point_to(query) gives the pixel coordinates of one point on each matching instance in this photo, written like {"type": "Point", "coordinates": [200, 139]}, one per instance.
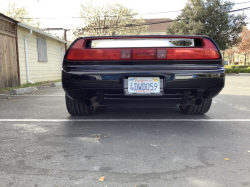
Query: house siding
{"type": "Point", "coordinates": [39, 71]}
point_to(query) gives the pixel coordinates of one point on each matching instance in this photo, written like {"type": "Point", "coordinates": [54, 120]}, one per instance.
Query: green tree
{"type": "Point", "coordinates": [20, 14]}
{"type": "Point", "coordinates": [210, 18]}
{"type": "Point", "coordinates": [109, 20]}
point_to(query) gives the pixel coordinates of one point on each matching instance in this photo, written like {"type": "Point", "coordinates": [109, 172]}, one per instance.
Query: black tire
{"type": "Point", "coordinates": [77, 107]}
{"type": "Point", "coordinates": [197, 109]}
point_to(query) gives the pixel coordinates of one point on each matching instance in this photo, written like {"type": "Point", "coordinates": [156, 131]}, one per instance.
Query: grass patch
{"type": "Point", "coordinates": [29, 85]}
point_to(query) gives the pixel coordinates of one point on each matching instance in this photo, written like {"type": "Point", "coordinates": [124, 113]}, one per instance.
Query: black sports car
{"type": "Point", "coordinates": [142, 71]}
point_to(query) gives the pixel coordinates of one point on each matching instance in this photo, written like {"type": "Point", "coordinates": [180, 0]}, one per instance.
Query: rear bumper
{"type": "Point", "coordinates": [204, 81]}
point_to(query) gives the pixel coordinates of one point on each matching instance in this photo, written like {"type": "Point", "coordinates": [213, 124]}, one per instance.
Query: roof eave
{"type": "Point", "coordinates": [39, 31]}
{"type": "Point", "coordinates": [9, 19]}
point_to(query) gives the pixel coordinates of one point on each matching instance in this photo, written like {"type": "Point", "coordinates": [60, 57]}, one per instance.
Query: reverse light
{"type": "Point", "coordinates": [161, 53]}
{"type": "Point", "coordinates": [126, 54]}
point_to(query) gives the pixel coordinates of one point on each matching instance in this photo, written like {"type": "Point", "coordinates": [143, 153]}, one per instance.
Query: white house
{"type": "Point", "coordinates": [28, 54]}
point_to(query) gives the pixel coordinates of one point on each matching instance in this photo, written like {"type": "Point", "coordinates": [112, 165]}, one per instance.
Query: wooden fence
{"type": "Point", "coordinates": [9, 72]}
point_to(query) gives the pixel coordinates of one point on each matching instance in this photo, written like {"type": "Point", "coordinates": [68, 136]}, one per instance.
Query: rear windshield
{"type": "Point", "coordinates": [163, 42]}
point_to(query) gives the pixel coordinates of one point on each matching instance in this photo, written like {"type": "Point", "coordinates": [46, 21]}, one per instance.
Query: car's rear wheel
{"type": "Point", "coordinates": [197, 109]}
{"type": "Point", "coordinates": [78, 107]}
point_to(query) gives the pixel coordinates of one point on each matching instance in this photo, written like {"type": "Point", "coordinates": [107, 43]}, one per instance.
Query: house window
{"type": "Point", "coordinates": [41, 49]}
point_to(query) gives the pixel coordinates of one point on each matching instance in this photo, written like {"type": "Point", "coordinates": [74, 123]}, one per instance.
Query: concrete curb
{"type": "Point", "coordinates": [238, 74]}
{"type": "Point", "coordinates": [23, 90]}
{"type": "Point", "coordinates": [56, 84]}
{"type": "Point", "coordinates": [246, 74]}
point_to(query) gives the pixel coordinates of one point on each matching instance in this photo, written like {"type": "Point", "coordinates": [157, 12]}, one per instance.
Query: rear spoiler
{"type": "Point", "coordinates": [144, 36]}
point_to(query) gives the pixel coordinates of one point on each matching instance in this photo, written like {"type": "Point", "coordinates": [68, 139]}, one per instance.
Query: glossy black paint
{"type": "Point", "coordinates": [202, 79]}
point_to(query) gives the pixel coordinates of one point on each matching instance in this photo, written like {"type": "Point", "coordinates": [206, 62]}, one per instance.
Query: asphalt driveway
{"type": "Point", "coordinates": [42, 145]}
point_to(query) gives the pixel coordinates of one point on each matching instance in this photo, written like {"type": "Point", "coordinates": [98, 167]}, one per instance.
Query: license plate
{"type": "Point", "coordinates": [147, 85]}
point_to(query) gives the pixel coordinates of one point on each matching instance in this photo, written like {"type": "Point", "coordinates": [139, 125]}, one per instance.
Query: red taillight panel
{"type": "Point", "coordinates": [185, 54]}
{"type": "Point", "coordinates": [101, 54]}
{"type": "Point", "coordinates": [207, 52]}
{"type": "Point", "coordinates": [76, 51]}
{"type": "Point", "coordinates": [210, 50]}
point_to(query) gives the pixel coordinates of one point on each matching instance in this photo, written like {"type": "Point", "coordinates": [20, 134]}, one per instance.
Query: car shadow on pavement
{"type": "Point", "coordinates": [103, 121]}
{"type": "Point", "coordinates": [139, 113]}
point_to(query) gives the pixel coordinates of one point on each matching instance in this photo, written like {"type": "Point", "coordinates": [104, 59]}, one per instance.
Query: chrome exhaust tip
{"type": "Point", "coordinates": [88, 102]}
{"type": "Point", "coordinates": [198, 101]}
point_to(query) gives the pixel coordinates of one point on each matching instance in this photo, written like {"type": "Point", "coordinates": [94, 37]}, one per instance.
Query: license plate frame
{"type": "Point", "coordinates": [158, 92]}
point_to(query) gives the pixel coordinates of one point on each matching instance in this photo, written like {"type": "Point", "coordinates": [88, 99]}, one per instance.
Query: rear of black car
{"type": "Point", "coordinates": [187, 72]}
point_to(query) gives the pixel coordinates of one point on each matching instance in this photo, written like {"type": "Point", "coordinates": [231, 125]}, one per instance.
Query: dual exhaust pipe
{"type": "Point", "coordinates": [198, 101]}
{"type": "Point", "coordinates": [194, 101]}
{"type": "Point", "coordinates": [91, 102]}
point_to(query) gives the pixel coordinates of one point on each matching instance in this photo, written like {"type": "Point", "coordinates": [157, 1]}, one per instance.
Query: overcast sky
{"type": "Point", "coordinates": [70, 8]}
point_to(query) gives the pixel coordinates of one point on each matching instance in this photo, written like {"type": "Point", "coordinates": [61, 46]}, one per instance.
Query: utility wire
{"type": "Point", "coordinates": [138, 14]}
{"type": "Point", "coordinates": [239, 9]}
{"type": "Point", "coordinates": [241, 3]}
{"type": "Point", "coordinates": [174, 11]}
{"type": "Point", "coordinates": [155, 13]}
{"type": "Point", "coordinates": [133, 25]}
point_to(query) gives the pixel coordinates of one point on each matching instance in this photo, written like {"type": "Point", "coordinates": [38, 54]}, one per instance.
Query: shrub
{"type": "Point", "coordinates": [238, 70]}
{"type": "Point", "coordinates": [245, 71]}
{"type": "Point", "coordinates": [229, 71]}
{"type": "Point", "coordinates": [229, 67]}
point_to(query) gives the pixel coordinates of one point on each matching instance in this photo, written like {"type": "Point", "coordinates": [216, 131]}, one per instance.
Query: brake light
{"type": "Point", "coordinates": [207, 52]}
{"type": "Point", "coordinates": [76, 51]}
{"type": "Point", "coordinates": [186, 54]}
{"type": "Point", "coordinates": [210, 50]}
